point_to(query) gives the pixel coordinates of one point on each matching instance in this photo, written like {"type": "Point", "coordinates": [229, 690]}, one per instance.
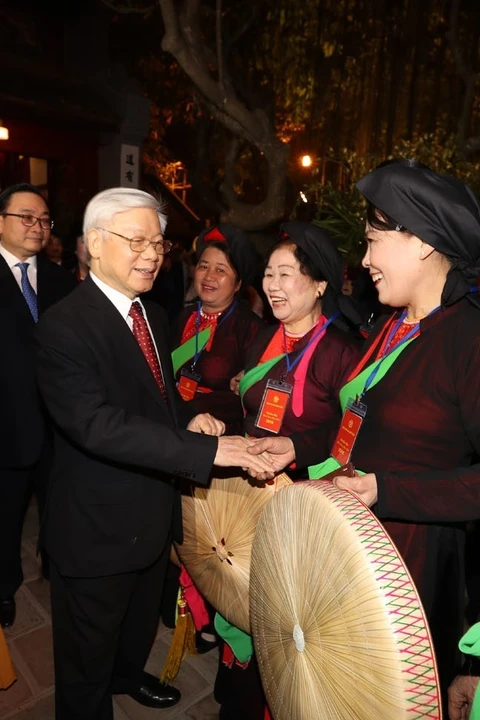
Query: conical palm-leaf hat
{"type": "Point", "coordinates": [219, 523]}
{"type": "Point", "coordinates": [338, 627]}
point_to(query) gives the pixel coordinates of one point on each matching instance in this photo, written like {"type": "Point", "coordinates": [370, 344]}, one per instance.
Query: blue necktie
{"type": "Point", "coordinates": [28, 292]}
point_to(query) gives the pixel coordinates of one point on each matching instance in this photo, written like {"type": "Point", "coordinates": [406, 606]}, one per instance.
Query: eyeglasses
{"type": "Point", "coordinates": [139, 244]}
{"type": "Point", "coordinates": [31, 220]}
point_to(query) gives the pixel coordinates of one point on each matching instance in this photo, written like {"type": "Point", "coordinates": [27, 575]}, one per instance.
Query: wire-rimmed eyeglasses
{"type": "Point", "coordinates": [30, 220]}
{"type": "Point", "coordinates": [139, 244]}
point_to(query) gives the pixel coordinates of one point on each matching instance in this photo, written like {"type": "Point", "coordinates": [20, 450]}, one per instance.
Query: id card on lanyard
{"type": "Point", "coordinates": [352, 420]}
{"type": "Point", "coordinates": [273, 406]}
{"type": "Point", "coordinates": [277, 393]}
{"type": "Point", "coordinates": [356, 410]}
{"type": "Point", "coordinates": [188, 383]}
{"type": "Point", "coordinates": [189, 379]}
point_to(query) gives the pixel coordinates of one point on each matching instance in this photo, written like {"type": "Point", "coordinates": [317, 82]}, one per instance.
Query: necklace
{"type": "Point", "coordinates": [210, 316]}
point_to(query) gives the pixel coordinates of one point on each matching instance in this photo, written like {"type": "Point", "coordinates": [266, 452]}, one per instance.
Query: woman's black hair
{"type": "Point", "coordinates": [379, 220]}
{"type": "Point", "coordinates": [220, 245]}
{"type": "Point", "coordinates": [307, 267]}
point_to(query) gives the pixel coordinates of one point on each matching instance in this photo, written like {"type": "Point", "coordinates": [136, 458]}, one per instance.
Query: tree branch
{"type": "Point", "coordinates": [182, 45]}
{"type": "Point", "coordinates": [468, 76]}
{"type": "Point", "coordinates": [183, 39]}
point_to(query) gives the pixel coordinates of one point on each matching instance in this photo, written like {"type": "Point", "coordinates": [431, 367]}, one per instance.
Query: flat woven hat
{"type": "Point", "coordinates": [338, 627]}
{"type": "Point", "coordinates": [218, 527]}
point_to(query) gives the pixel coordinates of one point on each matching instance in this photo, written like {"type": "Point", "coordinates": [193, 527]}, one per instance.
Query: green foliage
{"type": "Point", "coordinates": [340, 208]}
{"type": "Point", "coordinates": [341, 215]}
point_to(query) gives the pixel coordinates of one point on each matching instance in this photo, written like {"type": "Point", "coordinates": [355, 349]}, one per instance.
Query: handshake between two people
{"type": "Point", "coordinates": [261, 458]}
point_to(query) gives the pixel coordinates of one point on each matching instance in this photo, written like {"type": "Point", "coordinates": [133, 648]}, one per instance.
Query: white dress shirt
{"type": "Point", "coordinates": [123, 304]}
{"type": "Point", "coordinates": [11, 261]}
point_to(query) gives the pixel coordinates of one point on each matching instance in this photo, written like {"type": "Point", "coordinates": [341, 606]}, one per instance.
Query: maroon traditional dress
{"type": "Point", "coordinates": [238, 688]}
{"type": "Point", "coordinates": [232, 333]}
{"type": "Point", "coordinates": [314, 399]}
{"type": "Point", "coordinates": [421, 437]}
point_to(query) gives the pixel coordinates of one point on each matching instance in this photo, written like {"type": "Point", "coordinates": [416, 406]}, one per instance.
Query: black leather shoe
{"type": "Point", "coordinates": [152, 693]}
{"type": "Point", "coordinates": [8, 611]}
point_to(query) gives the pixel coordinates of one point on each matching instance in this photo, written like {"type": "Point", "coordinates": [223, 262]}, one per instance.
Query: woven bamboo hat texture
{"type": "Point", "coordinates": [338, 628]}
{"type": "Point", "coordinates": [218, 527]}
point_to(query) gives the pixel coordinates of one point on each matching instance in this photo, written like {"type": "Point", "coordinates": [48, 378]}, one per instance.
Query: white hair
{"type": "Point", "coordinates": [108, 203]}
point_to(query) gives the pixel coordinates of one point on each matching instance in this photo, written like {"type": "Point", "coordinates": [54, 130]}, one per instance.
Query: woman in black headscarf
{"type": "Point", "coordinates": [210, 342]}
{"type": "Point", "coordinates": [420, 436]}
{"type": "Point", "coordinates": [302, 361]}
{"type": "Point", "coordinates": [302, 282]}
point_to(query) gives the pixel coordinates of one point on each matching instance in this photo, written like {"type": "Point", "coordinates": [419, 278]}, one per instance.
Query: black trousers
{"type": "Point", "coordinates": [103, 630]}
{"type": "Point", "coordinates": [14, 493]}
{"type": "Point", "coordinates": [16, 486]}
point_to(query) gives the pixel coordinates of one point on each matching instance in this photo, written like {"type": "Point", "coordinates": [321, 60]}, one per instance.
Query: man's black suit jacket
{"type": "Point", "coordinates": [21, 421]}
{"type": "Point", "coordinates": [118, 445]}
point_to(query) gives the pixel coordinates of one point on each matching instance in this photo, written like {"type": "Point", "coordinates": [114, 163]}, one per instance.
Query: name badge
{"type": "Point", "coordinates": [352, 420]}
{"type": "Point", "coordinates": [188, 383]}
{"type": "Point", "coordinates": [273, 406]}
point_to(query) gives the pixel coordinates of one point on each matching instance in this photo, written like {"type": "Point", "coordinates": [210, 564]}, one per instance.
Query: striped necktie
{"type": "Point", "coordinates": [28, 292]}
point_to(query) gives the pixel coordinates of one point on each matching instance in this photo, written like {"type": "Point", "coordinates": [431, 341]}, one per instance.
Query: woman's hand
{"type": "Point", "coordinates": [280, 449]}
{"type": "Point", "coordinates": [206, 424]}
{"type": "Point", "coordinates": [363, 486]}
{"type": "Point", "coordinates": [460, 696]}
{"type": "Point", "coordinates": [235, 382]}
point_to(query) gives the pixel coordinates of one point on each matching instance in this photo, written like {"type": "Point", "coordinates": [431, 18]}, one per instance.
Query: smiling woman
{"type": "Point", "coordinates": [419, 384]}
{"type": "Point", "coordinates": [212, 341]}
{"type": "Point", "coordinates": [294, 372]}
{"type": "Point", "coordinates": [304, 351]}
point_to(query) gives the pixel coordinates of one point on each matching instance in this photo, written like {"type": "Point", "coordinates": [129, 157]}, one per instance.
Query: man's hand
{"type": "Point", "coordinates": [233, 452]}
{"type": "Point", "coordinates": [206, 424]}
{"type": "Point", "coordinates": [235, 382]}
{"type": "Point", "coordinates": [460, 696]}
{"type": "Point", "coordinates": [280, 449]}
{"type": "Point", "coordinates": [364, 487]}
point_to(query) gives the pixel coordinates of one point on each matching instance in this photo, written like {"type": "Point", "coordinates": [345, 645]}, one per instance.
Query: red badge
{"type": "Point", "coordinates": [187, 385]}
{"type": "Point", "coordinates": [346, 436]}
{"type": "Point", "coordinates": [274, 404]}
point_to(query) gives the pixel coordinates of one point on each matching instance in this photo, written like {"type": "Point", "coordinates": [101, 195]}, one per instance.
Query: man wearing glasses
{"type": "Point", "coordinates": [106, 377]}
{"type": "Point", "coordinates": [28, 286]}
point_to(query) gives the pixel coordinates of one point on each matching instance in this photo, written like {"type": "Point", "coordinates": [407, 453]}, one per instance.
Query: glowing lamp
{"type": "Point", "coordinates": [306, 161]}
{"type": "Point", "coordinates": [3, 132]}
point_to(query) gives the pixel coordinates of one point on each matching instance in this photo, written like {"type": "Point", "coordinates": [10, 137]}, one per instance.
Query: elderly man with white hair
{"type": "Point", "coordinates": [105, 375]}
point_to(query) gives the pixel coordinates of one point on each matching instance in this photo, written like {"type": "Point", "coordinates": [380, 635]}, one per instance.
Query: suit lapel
{"type": "Point", "coordinates": [45, 286]}
{"type": "Point", "coordinates": [11, 297]}
{"type": "Point", "coordinates": [117, 331]}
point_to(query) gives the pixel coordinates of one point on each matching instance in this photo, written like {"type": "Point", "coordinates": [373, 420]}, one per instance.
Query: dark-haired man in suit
{"type": "Point", "coordinates": [28, 286]}
{"type": "Point", "coordinates": [105, 373]}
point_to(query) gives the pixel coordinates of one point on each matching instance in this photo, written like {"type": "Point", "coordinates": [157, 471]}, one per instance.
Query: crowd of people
{"type": "Point", "coordinates": [110, 405]}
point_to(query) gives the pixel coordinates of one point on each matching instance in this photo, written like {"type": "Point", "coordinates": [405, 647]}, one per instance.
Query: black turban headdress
{"type": "Point", "coordinates": [440, 210]}
{"type": "Point", "coordinates": [240, 248]}
{"type": "Point", "coordinates": [323, 253]}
